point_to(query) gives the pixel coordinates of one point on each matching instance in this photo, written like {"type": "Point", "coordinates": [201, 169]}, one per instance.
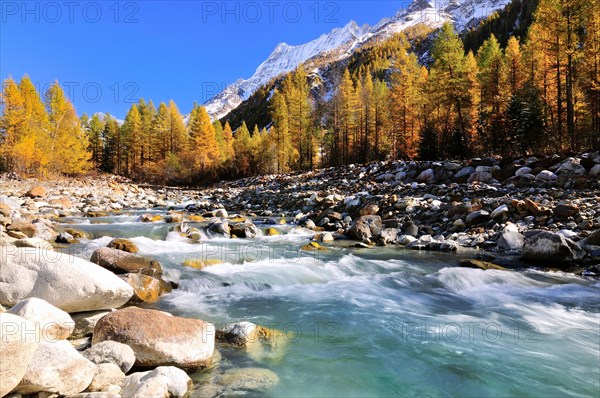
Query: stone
{"type": "Point", "coordinates": [523, 170]}
{"type": "Point", "coordinates": [221, 213]}
{"type": "Point", "coordinates": [511, 239]}
{"type": "Point", "coordinates": [550, 248]}
{"type": "Point", "coordinates": [271, 232]}
{"type": "Point", "coordinates": [240, 333]}
{"type": "Point", "coordinates": [164, 381]}
{"type": "Point", "coordinates": [53, 323]}
{"type": "Point", "coordinates": [18, 347]}
{"type": "Point", "coordinates": [365, 228]}
{"type": "Point", "coordinates": [146, 289]}
{"type": "Point", "coordinates": [124, 245]}
{"type": "Point", "coordinates": [485, 265]}
{"type": "Point", "coordinates": [593, 238]}
{"type": "Point", "coordinates": [57, 367]}
{"type": "Point", "coordinates": [411, 229]}
{"type": "Point", "coordinates": [390, 235]}
{"type": "Point", "coordinates": [65, 237]}
{"type": "Point", "coordinates": [67, 282]}
{"type": "Point", "coordinates": [36, 192]}
{"type": "Point", "coordinates": [477, 217]}
{"type": "Point", "coordinates": [595, 171]}
{"type": "Point", "coordinates": [157, 338]}
{"type": "Point", "coordinates": [121, 262]}
{"type": "Point", "coordinates": [369, 210]}
{"type": "Point", "coordinates": [426, 176]}
{"type": "Point", "coordinates": [546, 176]}
{"type": "Point", "coordinates": [85, 322]}
{"type": "Point", "coordinates": [406, 240]}
{"type": "Point", "coordinates": [220, 227]}
{"type": "Point", "coordinates": [532, 206]}
{"type": "Point", "coordinates": [24, 227]}
{"type": "Point", "coordinates": [34, 242]}
{"type": "Point", "coordinates": [480, 176]}
{"type": "Point", "coordinates": [244, 230]}
{"type": "Point", "coordinates": [566, 211]}
{"type": "Point", "coordinates": [150, 218]}
{"type": "Point", "coordinates": [499, 211]}
{"type": "Point", "coordinates": [107, 376]}
{"type": "Point", "coordinates": [240, 381]}
{"type": "Point", "coordinates": [113, 352]}
{"type": "Point", "coordinates": [463, 174]}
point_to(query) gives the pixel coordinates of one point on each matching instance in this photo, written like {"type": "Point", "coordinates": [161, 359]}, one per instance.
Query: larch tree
{"type": "Point", "coordinates": [203, 140]}
{"type": "Point", "coordinates": [67, 151]}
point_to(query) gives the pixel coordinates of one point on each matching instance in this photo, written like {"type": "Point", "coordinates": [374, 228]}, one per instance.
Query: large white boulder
{"type": "Point", "coordinates": [111, 352]}
{"type": "Point", "coordinates": [67, 282]}
{"type": "Point", "coordinates": [164, 381]}
{"type": "Point", "coordinates": [19, 340]}
{"type": "Point", "coordinates": [57, 367]}
{"type": "Point", "coordinates": [54, 323]}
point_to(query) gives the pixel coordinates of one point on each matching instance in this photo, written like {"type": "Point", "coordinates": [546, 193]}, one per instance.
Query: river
{"type": "Point", "coordinates": [381, 322]}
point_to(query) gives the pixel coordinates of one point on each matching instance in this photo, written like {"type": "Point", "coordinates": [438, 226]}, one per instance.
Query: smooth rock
{"type": "Point", "coordinates": [146, 289]}
{"type": "Point", "coordinates": [67, 282]}
{"type": "Point", "coordinates": [549, 248]}
{"type": "Point", "coordinates": [485, 265]}
{"type": "Point", "coordinates": [57, 367]}
{"type": "Point", "coordinates": [36, 192]}
{"type": "Point", "coordinates": [157, 338]}
{"type": "Point", "coordinates": [123, 244]}
{"type": "Point", "coordinates": [499, 211]}
{"type": "Point", "coordinates": [111, 352]}
{"type": "Point", "coordinates": [19, 343]}
{"type": "Point", "coordinates": [477, 217]}
{"type": "Point", "coordinates": [121, 262]}
{"type": "Point", "coordinates": [426, 176]}
{"type": "Point", "coordinates": [53, 323]}
{"type": "Point", "coordinates": [511, 239]}
{"type": "Point", "coordinates": [365, 228]}
{"type": "Point", "coordinates": [34, 242]}
{"type": "Point", "coordinates": [164, 381]}
{"type": "Point", "coordinates": [107, 377]}
{"type": "Point", "coordinates": [241, 381]}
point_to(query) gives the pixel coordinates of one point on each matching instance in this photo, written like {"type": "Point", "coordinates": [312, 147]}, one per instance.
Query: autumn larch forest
{"type": "Point", "coordinates": [535, 94]}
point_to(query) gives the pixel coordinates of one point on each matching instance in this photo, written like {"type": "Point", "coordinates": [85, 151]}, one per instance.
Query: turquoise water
{"type": "Point", "coordinates": [385, 321]}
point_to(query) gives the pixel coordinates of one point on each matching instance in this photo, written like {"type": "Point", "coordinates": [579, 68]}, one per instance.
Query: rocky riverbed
{"type": "Point", "coordinates": [86, 324]}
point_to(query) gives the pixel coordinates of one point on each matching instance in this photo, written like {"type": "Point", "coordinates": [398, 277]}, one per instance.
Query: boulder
{"type": "Point", "coordinates": [477, 217]}
{"type": "Point", "coordinates": [244, 230]}
{"type": "Point", "coordinates": [157, 338]}
{"type": "Point", "coordinates": [426, 176]}
{"type": "Point", "coordinates": [221, 213]}
{"type": "Point", "coordinates": [595, 171]}
{"type": "Point", "coordinates": [485, 265]}
{"type": "Point", "coordinates": [480, 176]}
{"type": "Point", "coordinates": [220, 227]}
{"type": "Point", "coordinates": [53, 323]}
{"type": "Point", "coordinates": [546, 176]}
{"type": "Point", "coordinates": [146, 289]}
{"type": "Point", "coordinates": [566, 211]}
{"type": "Point", "coordinates": [123, 244]}
{"type": "Point", "coordinates": [34, 242]}
{"type": "Point", "coordinates": [57, 367]}
{"type": "Point", "coordinates": [85, 323]}
{"type": "Point", "coordinates": [241, 381]}
{"type": "Point", "coordinates": [593, 238]}
{"type": "Point", "coordinates": [111, 352]}
{"type": "Point", "coordinates": [411, 229]}
{"type": "Point", "coordinates": [511, 239]}
{"type": "Point", "coordinates": [550, 248]}
{"type": "Point", "coordinates": [67, 282]}
{"type": "Point", "coordinates": [271, 232]}
{"type": "Point", "coordinates": [108, 378]}
{"type": "Point", "coordinates": [365, 228]}
{"type": "Point", "coordinates": [22, 226]}
{"type": "Point", "coordinates": [36, 192]}
{"type": "Point", "coordinates": [390, 235]}
{"type": "Point", "coordinates": [19, 342]}
{"type": "Point", "coordinates": [121, 262]}
{"type": "Point", "coordinates": [239, 334]}
{"type": "Point", "coordinates": [369, 210]}
{"type": "Point", "coordinates": [164, 381]}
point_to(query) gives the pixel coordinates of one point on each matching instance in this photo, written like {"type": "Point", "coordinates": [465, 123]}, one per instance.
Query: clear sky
{"type": "Point", "coordinates": [108, 54]}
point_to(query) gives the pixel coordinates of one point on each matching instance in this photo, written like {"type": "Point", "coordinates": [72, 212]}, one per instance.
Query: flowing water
{"type": "Point", "coordinates": [384, 321]}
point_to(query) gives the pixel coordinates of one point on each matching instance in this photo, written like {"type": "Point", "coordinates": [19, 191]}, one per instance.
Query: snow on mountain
{"type": "Point", "coordinates": [344, 41]}
{"type": "Point", "coordinates": [102, 116]}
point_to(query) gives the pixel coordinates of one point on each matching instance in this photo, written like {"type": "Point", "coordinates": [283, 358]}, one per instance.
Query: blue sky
{"type": "Point", "coordinates": [109, 54]}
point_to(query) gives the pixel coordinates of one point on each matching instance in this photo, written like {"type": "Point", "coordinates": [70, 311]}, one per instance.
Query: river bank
{"type": "Point", "coordinates": [268, 274]}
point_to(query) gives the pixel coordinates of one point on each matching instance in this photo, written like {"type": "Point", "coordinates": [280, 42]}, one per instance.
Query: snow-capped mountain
{"type": "Point", "coordinates": [344, 41]}
{"type": "Point", "coordinates": [102, 117]}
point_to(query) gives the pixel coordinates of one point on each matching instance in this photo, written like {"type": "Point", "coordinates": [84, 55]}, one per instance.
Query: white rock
{"type": "Point", "coordinates": [111, 352]}
{"type": "Point", "coordinates": [546, 175]}
{"type": "Point", "coordinates": [523, 170]}
{"type": "Point", "coordinates": [498, 211]}
{"type": "Point", "coordinates": [107, 376]}
{"type": "Point", "coordinates": [19, 339]}
{"type": "Point", "coordinates": [57, 367]}
{"type": "Point", "coordinates": [34, 242]}
{"type": "Point", "coordinates": [164, 381]}
{"type": "Point", "coordinates": [406, 239]}
{"type": "Point", "coordinates": [511, 239]}
{"type": "Point", "coordinates": [67, 282]}
{"type": "Point", "coordinates": [54, 323]}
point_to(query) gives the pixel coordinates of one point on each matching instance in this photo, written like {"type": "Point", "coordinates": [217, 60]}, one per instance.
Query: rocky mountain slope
{"type": "Point", "coordinates": [342, 42]}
